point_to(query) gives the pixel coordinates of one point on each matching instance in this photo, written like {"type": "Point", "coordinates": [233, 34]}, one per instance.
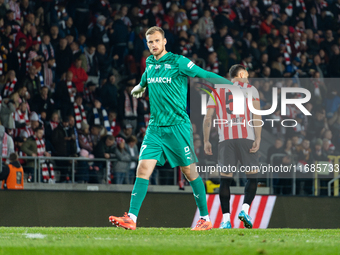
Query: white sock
{"type": "Point", "coordinates": [207, 218]}
{"type": "Point", "coordinates": [133, 217]}
{"type": "Point", "coordinates": [226, 217]}
{"type": "Point", "coordinates": [245, 208]}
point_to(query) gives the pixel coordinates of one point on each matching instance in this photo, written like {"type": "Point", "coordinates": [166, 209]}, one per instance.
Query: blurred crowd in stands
{"type": "Point", "coordinates": [67, 69]}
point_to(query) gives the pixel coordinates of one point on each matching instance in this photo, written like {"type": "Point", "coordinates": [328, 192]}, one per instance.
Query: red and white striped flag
{"type": "Point", "coordinates": [260, 210]}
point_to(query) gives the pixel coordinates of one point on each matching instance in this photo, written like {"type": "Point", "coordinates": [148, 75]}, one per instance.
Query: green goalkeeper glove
{"type": "Point", "coordinates": [137, 91]}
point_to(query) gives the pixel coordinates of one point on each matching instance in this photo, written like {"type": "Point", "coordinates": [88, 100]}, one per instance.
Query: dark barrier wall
{"type": "Point", "coordinates": [92, 209]}
{"type": "Point", "coordinates": [306, 212]}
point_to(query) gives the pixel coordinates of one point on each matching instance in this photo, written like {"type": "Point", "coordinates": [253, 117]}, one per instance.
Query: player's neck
{"type": "Point", "coordinates": [158, 57]}
{"type": "Point", "coordinates": [240, 79]}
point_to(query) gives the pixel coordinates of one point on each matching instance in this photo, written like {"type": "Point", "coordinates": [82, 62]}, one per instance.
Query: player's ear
{"type": "Point", "coordinates": [165, 41]}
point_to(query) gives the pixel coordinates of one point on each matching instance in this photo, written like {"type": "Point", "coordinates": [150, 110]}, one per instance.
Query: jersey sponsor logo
{"type": "Point", "coordinates": [167, 66]}
{"type": "Point", "coordinates": [159, 80]}
{"type": "Point", "coordinates": [190, 64]}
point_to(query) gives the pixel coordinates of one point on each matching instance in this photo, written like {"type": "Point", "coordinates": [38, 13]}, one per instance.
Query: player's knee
{"type": "Point", "coordinates": [189, 174]}
{"type": "Point", "coordinates": [226, 181]}
{"type": "Point", "coordinates": [252, 176]}
{"type": "Point", "coordinates": [143, 171]}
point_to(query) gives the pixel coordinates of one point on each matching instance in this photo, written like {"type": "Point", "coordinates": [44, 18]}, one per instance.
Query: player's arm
{"type": "Point", "coordinates": [187, 67]}
{"type": "Point", "coordinates": [257, 128]}
{"type": "Point", "coordinates": [138, 90]}
{"type": "Point", "coordinates": [206, 130]}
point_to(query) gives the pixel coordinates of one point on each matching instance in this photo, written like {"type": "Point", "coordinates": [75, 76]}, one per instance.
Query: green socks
{"type": "Point", "coordinates": [138, 194]}
{"type": "Point", "coordinates": [141, 187]}
{"type": "Point", "coordinates": [200, 196]}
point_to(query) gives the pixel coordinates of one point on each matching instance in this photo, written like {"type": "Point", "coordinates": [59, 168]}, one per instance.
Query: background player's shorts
{"type": "Point", "coordinates": [174, 143]}
{"type": "Point", "coordinates": [233, 150]}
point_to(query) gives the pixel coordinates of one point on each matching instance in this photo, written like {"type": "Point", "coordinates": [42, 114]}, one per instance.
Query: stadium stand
{"type": "Point", "coordinates": [69, 67]}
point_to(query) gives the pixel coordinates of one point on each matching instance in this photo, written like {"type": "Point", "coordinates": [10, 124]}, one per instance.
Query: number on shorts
{"type": "Point", "coordinates": [142, 149]}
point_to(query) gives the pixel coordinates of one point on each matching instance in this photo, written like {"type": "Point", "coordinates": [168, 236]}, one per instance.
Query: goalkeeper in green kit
{"type": "Point", "coordinates": [169, 134]}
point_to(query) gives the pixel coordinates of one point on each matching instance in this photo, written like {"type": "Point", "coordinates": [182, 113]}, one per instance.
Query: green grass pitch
{"type": "Point", "coordinates": [112, 240]}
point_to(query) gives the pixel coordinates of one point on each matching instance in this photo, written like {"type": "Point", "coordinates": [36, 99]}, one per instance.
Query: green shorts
{"type": "Point", "coordinates": [174, 143]}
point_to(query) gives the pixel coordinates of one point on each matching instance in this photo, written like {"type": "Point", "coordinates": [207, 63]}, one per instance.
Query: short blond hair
{"type": "Point", "coordinates": [153, 30]}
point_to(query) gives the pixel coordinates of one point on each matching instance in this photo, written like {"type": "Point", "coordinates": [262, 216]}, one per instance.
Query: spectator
{"type": "Point", "coordinates": [77, 53]}
{"type": "Point", "coordinates": [85, 140]}
{"type": "Point", "coordinates": [43, 103]}
{"type": "Point", "coordinates": [63, 57]}
{"type": "Point", "coordinates": [63, 141]}
{"type": "Point", "coordinates": [24, 33]}
{"type": "Point", "coordinates": [108, 93]}
{"type": "Point", "coordinates": [82, 42]}
{"type": "Point", "coordinates": [220, 36]}
{"type": "Point", "coordinates": [34, 146]}
{"type": "Point", "coordinates": [31, 81]}
{"type": "Point", "coordinates": [181, 21]}
{"type": "Point", "coordinates": [228, 54]}
{"type": "Point", "coordinates": [82, 174]}
{"type": "Point", "coordinates": [332, 103]}
{"type": "Point", "coordinates": [95, 134]}
{"type": "Point", "coordinates": [121, 167]}
{"type": "Point", "coordinates": [318, 153]}
{"type": "Point", "coordinates": [99, 116]}
{"type": "Point", "coordinates": [91, 92]}
{"type": "Point", "coordinates": [8, 107]}
{"type": "Point", "coordinates": [328, 135]}
{"type": "Point", "coordinates": [65, 94]}
{"type": "Point", "coordinates": [55, 36]}
{"type": "Point", "coordinates": [79, 75]}
{"type": "Point", "coordinates": [305, 153]}
{"type": "Point", "coordinates": [21, 119]}
{"type": "Point", "coordinates": [266, 25]}
{"type": "Point", "coordinates": [317, 66]}
{"type": "Point", "coordinates": [100, 33]}
{"type": "Point", "coordinates": [9, 87]}
{"type": "Point", "coordinates": [51, 125]}
{"type": "Point", "coordinates": [105, 149]}
{"type": "Point", "coordinates": [275, 149]}
{"type": "Point", "coordinates": [3, 9]}
{"type": "Point", "coordinates": [334, 63]}
{"type": "Point", "coordinates": [46, 47]}
{"type": "Point", "coordinates": [207, 48]}
{"type": "Point", "coordinates": [49, 74]}
{"type": "Point", "coordinates": [9, 20]}
{"type": "Point", "coordinates": [70, 29]}
{"type": "Point", "coordinates": [18, 60]}
{"type": "Point", "coordinates": [126, 132]}
{"type": "Point", "coordinates": [92, 64]}
{"type": "Point", "coordinates": [133, 151]}
{"type": "Point", "coordinates": [119, 38]}
{"type": "Point", "coordinates": [127, 104]}
{"type": "Point", "coordinates": [79, 111]}
{"type": "Point", "coordinates": [143, 111]}
{"type": "Point", "coordinates": [6, 143]}
{"type": "Point", "coordinates": [12, 175]}
{"type": "Point", "coordinates": [29, 129]}
{"type": "Point", "coordinates": [313, 20]}
{"type": "Point", "coordinates": [104, 62]}
{"type": "Point", "coordinates": [206, 25]}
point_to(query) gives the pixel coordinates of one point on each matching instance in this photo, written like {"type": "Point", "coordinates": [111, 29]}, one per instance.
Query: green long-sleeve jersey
{"type": "Point", "coordinates": [167, 81]}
